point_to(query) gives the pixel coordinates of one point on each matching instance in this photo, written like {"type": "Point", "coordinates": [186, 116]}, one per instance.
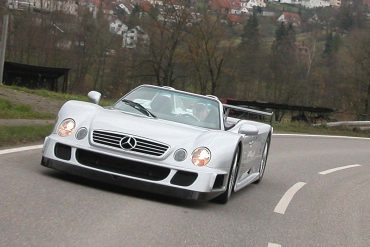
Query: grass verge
{"type": "Point", "coordinates": [59, 96]}
{"type": "Point", "coordinates": [15, 135]}
{"type": "Point", "coordinates": [11, 111]}
{"type": "Point", "coordinates": [303, 128]}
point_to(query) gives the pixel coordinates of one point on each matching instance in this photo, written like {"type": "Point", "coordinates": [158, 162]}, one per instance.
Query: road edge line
{"type": "Point", "coordinates": [20, 149]}
{"type": "Point", "coordinates": [324, 136]}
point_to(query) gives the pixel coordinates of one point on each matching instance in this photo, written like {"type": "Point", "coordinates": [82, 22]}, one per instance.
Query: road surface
{"type": "Point", "coordinates": [315, 192]}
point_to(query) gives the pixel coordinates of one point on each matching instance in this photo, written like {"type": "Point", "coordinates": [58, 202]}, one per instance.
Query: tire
{"type": "Point", "coordinates": [225, 196]}
{"type": "Point", "coordinates": [263, 163]}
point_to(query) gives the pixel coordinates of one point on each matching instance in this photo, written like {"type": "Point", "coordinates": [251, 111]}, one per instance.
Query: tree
{"type": "Point", "coordinates": [205, 52]}
{"type": "Point", "coordinates": [359, 51]}
{"type": "Point", "coordinates": [283, 64]}
{"type": "Point", "coordinates": [166, 32]}
{"type": "Point", "coordinates": [250, 59]}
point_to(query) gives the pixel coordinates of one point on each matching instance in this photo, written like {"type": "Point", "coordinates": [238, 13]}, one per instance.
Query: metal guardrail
{"type": "Point", "coordinates": [359, 125]}
{"type": "Point", "coordinates": [246, 110]}
{"type": "Point", "coordinates": [348, 123]}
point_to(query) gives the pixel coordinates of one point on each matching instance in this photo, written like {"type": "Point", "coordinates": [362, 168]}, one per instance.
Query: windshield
{"type": "Point", "coordinates": [173, 106]}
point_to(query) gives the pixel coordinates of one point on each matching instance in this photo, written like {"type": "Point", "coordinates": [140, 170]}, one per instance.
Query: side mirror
{"type": "Point", "coordinates": [94, 96]}
{"type": "Point", "coordinates": [248, 130]}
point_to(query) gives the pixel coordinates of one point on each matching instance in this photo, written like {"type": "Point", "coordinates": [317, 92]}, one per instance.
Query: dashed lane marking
{"type": "Point", "coordinates": [338, 169]}
{"type": "Point", "coordinates": [273, 245]}
{"type": "Point", "coordinates": [287, 197]}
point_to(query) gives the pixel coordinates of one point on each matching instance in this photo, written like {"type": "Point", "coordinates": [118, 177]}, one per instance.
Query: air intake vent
{"type": "Point", "coordinates": [129, 143]}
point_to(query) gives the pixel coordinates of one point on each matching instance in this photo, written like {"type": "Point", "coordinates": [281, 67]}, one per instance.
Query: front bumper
{"type": "Point", "coordinates": [127, 182]}
{"type": "Point", "coordinates": [102, 165]}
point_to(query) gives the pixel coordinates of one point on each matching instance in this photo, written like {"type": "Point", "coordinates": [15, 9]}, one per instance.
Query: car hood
{"type": "Point", "coordinates": [164, 131]}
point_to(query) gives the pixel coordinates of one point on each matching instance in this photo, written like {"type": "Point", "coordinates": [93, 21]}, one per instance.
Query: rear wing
{"type": "Point", "coordinates": [227, 109]}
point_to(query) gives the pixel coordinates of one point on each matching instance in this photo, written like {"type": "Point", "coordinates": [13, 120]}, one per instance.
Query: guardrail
{"type": "Point", "coordinates": [247, 110]}
{"type": "Point", "coordinates": [361, 125]}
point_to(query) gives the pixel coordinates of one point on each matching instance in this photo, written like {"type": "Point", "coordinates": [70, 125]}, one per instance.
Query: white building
{"type": "Point", "coordinates": [256, 3]}
{"type": "Point", "coordinates": [291, 1]}
{"type": "Point", "coordinates": [133, 37]}
{"type": "Point", "coordinates": [117, 27]}
{"type": "Point", "coordinates": [67, 6]}
{"type": "Point", "coordinates": [315, 3]}
{"type": "Point", "coordinates": [335, 3]}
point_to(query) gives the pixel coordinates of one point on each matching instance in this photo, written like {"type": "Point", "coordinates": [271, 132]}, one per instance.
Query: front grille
{"type": "Point", "coordinates": [121, 166]}
{"type": "Point", "coordinates": [138, 144]}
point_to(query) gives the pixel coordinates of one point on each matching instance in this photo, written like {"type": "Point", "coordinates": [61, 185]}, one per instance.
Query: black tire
{"type": "Point", "coordinates": [234, 169]}
{"type": "Point", "coordinates": [264, 160]}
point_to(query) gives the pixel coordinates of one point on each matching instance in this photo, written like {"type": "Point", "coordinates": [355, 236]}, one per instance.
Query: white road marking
{"type": "Point", "coordinates": [20, 149]}
{"type": "Point", "coordinates": [273, 245]}
{"type": "Point", "coordinates": [326, 136]}
{"type": "Point", "coordinates": [287, 197]}
{"type": "Point", "coordinates": [338, 169]}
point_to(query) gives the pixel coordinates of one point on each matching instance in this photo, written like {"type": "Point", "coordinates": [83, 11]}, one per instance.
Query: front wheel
{"type": "Point", "coordinates": [224, 197]}
{"type": "Point", "coordinates": [262, 167]}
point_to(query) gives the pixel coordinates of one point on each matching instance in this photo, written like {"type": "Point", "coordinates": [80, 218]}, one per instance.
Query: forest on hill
{"type": "Point", "coordinates": [322, 60]}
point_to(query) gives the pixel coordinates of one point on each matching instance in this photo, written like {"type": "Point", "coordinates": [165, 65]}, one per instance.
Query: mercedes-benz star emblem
{"type": "Point", "coordinates": [128, 142]}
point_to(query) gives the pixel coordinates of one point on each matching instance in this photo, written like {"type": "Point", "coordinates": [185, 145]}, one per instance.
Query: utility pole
{"type": "Point", "coordinates": [4, 36]}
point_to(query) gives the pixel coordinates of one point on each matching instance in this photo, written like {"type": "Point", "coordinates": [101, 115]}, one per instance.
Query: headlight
{"type": "Point", "coordinates": [66, 127]}
{"type": "Point", "coordinates": [201, 156]}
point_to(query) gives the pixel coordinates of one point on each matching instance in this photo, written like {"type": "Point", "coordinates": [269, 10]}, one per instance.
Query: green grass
{"type": "Point", "coordinates": [15, 135]}
{"type": "Point", "coordinates": [50, 94]}
{"type": "Point", "coordinates": [59, 96]}
{"type": "Point", "coordinates": [304, 128]}
{"type": "Point", "coordinates": [9, 110]}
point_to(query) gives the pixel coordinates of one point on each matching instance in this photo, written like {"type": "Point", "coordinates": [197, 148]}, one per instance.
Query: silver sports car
{"type": "Point", "coordinates": [161, 140]}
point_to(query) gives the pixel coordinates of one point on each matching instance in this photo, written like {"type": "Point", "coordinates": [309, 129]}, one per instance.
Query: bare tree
{"type": "Point", "coordinates": [206, 53]}
{"type": "Point", "coordinates": [167, 28]}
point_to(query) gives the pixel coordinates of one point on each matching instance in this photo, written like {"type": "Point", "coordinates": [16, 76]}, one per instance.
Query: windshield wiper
{"type": "Point", "coordinates": [138, 107]}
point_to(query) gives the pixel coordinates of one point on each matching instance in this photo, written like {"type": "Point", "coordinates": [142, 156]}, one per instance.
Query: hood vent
{"type": "Point", "coordinates": [129, 143]}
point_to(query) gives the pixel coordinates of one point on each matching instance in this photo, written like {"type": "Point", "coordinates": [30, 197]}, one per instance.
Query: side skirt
{"type": "Point", "coordinates": [248, 180]}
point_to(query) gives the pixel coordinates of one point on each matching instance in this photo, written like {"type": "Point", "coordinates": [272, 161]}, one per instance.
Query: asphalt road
{"type": "Point", "coordinates": [43, 207]}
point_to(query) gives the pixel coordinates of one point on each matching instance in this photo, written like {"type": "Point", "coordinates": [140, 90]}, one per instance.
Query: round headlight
{"type": "Point", "coordinates": [201, 156]}
{"type": "Point", "coordinates": [66, 127]}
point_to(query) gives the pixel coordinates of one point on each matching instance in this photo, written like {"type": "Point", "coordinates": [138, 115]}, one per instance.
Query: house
{"type": "Point", "coordinates": [335, 3]}
{"type": "Point", "coordinates": [310, 4]}
{"type": "Point", "coordinates": [256, 3]}
{"type": "Point", "coordinates": [117, 27]}
{"type": "Point", "coordinates": [291, 1]}
{"type": "Point", "coordinates": [244, 10]}
{"type": "Point", "coordinates": [290, 18]}
{"type": "Point", "coordinates": [125, 8]}
{"type": "Point", "coordinates": [67, 6]}
{"type": "Point", "coordinates": [133, 37]}
{"type": "Point", "coordinates": [222, 6]}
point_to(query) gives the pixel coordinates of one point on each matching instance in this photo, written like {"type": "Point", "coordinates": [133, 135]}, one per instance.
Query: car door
{"type": "Point", "coordinates": [248, 155]}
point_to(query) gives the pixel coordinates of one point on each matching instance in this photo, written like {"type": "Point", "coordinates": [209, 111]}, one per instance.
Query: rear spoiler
{"type": "Point", "coordinates": [247, 110]}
